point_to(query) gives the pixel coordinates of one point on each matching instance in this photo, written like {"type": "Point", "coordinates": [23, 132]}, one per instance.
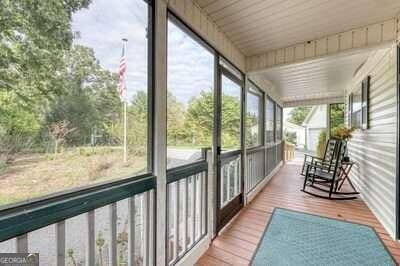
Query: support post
{"type": "Point", "coordinates": [244, 148]}
{"type": "Point", "coordinates": [397, 236]}
{"type": "Point", "coordinates": [160, 125]}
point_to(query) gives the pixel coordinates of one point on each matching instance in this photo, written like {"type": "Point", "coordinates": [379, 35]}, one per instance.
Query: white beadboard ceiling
{"type": "Point", "coordinates": [317, 79]}
{"type": "Point", "coordinates": [257, 26]}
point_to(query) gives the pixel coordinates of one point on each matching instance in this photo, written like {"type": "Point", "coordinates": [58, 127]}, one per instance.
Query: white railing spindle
{"type": "Point", "coordinates": [185, 213]}
{"type": "Point", "coordinates": [131, 233]}
{"type": "Point", "coordinates": [90, 240]}
{"type": "Point", "coordinates": [113, 234]}
{"type": "Point", "coordinates": [22, 244]}
{"type": "Point", "coordinates": [150, 228]}
{"type": "Point", "coordinates": [60, 242]}
{"type": "Point", "coordinates": [194, 210]}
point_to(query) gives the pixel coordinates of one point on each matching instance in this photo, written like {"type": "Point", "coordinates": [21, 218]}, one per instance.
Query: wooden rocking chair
{"type": "Point", "coordinates": [325, 176]}
{"type": "Point", "coordinates": [329, 154]}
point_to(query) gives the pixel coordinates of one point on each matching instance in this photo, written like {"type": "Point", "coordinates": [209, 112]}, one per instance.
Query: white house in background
{"type": "Point", "coordinates": [314, 124]}
{"type": "Point", "coordinates": [299, 131]}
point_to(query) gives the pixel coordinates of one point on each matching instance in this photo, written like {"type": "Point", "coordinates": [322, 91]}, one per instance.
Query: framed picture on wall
{"type": "Point", "coordinates": [365, 102]}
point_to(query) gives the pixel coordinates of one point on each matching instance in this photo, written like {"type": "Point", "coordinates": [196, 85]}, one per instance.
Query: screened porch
{"type": "Point", "coordinates": [169, 132]}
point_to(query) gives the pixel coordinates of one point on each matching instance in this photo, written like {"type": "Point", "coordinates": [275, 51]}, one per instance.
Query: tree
{"type": "Point", "coordinates": [251, 124]}
{"type": "Point", "coordinates": [200, 120]}
{"type": "Point", "coordinates": [89, 98]}
{"type": "Point", "coordinates": [336, 116]}
{"type": "Point", "coordinates": [176, 131]}
{"type": "Point", "coordinates": [34, 36]}
{"type": "Point", "coordinates": [58, 132]}
{"type": "Point", "coordinates": [298, 114]}
{"type": "Point", "coordinates": [230, 121]}
{"type": "Point", "coordinates": [18, 127]}
{"type": "Point", "coordinates": [16, 117]}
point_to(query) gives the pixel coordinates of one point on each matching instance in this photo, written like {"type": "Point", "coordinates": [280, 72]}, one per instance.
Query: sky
{"type": "Point", "coordinates": [286, 113]}
{"type": "Point", "coordinates": [190, 65]}
{"type": "Point", "coordinates": [102, 27]}
{"type": "Point", "coordinates": [253, 104]}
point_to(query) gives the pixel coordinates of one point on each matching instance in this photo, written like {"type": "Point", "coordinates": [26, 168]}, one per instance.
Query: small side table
{"type": "Point", "coordinates": [345, 171]}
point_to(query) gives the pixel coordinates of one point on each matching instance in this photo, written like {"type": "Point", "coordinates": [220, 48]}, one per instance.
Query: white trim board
{"type": "Point", "coordinates": [195, 253]}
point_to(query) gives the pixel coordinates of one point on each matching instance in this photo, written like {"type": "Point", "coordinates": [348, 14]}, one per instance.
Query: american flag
{"type": "Point", "coordinates": [121, 72]}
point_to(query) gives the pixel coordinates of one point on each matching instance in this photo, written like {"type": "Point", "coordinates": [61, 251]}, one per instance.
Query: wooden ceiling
{"type": "Point", "coordinates": [257, 26]}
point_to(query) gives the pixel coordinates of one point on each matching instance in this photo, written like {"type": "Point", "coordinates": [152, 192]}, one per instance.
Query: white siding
{"type": "Point", "coordinates": [374, 150]}
{"type": "Point", "coordinates": [318, 118]}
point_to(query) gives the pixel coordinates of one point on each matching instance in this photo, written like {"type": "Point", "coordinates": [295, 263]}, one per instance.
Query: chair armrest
{"type": "Point", "coordinates": [319, 165]}
{"type": "Point", "coordinates": [313, 157]}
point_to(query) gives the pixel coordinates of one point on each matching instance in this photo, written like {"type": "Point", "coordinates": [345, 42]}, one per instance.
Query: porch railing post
{"type": "Point", "coordinates": [160, 126]}
{"type": "Point", "coordinates": [211, 197]}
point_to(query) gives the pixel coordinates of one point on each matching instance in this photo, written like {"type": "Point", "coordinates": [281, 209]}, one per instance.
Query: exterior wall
{"type": "Point", "coordinates": [368, 36]}
{"type": "Point", "coordinates": [374, 150]}
{"type": "Point", "coordinates": [318, 117]}
{"type": "Point", "coordinates": [191, 13]}
{"type": "Point", "coordinates": [315, 123]}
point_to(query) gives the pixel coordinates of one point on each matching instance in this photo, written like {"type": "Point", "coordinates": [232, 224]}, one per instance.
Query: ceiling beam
{"type": "Point", "coordinates": [313, 101]}
{"type": "Point", "coordinates": [351, 41]}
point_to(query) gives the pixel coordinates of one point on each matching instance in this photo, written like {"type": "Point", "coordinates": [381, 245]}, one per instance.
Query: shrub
{"type": "Point", "coordinates": [321, 143]}
{"type": "Point", "coordinates": [11, 145]}
{"type": "Point", "coordinates": [343, 132]}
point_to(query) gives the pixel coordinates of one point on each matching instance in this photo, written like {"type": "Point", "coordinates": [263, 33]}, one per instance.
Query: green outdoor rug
{"type": "Point", "coordinates": [295, 238]}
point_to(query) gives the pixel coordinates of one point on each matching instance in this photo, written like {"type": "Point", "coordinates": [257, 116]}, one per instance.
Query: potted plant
{"type": "Point", "coordinates": [343, 133]}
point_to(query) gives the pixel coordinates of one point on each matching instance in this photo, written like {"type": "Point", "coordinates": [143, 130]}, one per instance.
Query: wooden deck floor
{"type": "Point", "coordinates": [237, 243]}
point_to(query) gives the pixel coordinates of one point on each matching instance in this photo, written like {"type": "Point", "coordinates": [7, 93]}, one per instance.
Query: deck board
{"type": "Point", "coordinates": [237, 243]}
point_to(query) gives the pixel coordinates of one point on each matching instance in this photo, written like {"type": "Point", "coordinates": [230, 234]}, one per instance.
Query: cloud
{"type": "Point", "coordinates": [105, 23]}
{"type": "Point", "coordinates": [190, 65]}
{"type": "Point", "coordinates": [102, 27]}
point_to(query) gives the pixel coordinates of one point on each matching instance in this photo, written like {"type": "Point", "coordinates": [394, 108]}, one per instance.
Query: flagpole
{"type": "Point", "coordinates": [125, 107]}
{"type": "Point", "coordinates": [125, 133]}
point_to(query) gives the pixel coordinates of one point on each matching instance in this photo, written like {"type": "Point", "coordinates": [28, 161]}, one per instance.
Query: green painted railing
{"type": "Point", "coordinates": [23, 223]}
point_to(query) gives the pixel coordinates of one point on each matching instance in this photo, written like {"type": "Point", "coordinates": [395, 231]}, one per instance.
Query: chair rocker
{"type": "Point", "coordinates": [329, 154]}
{"type": "Point", "coordinates": [325, 176]}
